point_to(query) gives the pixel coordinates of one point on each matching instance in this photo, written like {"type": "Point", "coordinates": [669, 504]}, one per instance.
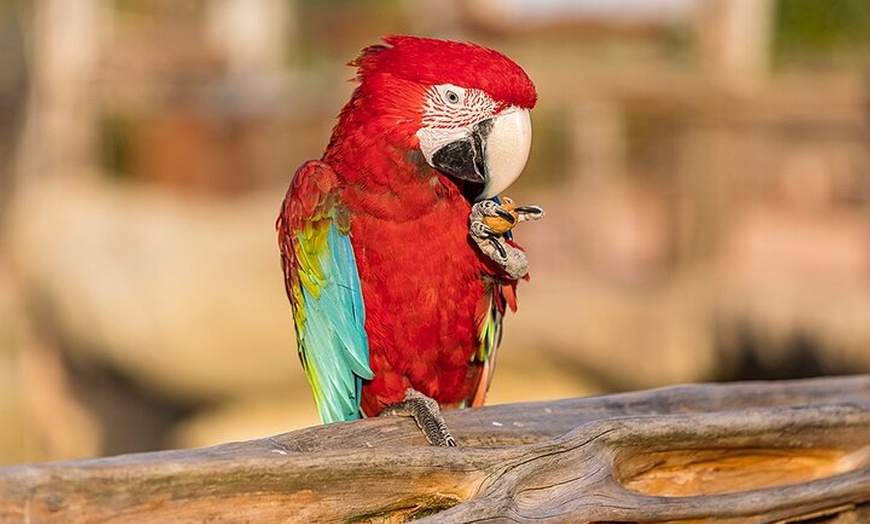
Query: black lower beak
{"type": "Point", "coordinates": [465, 159]}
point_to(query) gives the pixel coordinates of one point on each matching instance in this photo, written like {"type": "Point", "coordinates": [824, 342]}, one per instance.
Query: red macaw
{"type": "Point", "coordinates": [397, 278]}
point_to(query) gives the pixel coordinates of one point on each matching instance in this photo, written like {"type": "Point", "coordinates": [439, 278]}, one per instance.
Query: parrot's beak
{"type": "Point", "coordinates": [492, 155]}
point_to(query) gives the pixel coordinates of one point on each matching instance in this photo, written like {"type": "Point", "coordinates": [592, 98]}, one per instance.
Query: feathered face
{"type": "Point", "coordinates": [468, 106]}
{"type": "Point", "coordinates": [468, 135]}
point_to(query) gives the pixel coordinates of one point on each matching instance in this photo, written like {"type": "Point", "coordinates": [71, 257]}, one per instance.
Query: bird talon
{"type": "Point", "coordinates": [481, 231]}
{"type": "Point", "coordinates": [530, 212]}
{"type": "Point", "coordinates": [485, 208]}
{"type": "Point", "coordinates": [506, 215]}
{"type": "Point", "coordinates": [501, 218]}
{"type": "Point", "coordinates": [501, 250]}
{"type": "Point", "coordinates": [427, 414]}
{"type": "Point", "coordinates": [488, 224]}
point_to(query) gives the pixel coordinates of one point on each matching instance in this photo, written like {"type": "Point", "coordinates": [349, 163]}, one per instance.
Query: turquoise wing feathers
{"type": "Point", "coordinates": [323, 284]}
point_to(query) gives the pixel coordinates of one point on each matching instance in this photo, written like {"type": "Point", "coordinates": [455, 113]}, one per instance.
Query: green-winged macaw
{"type": "Point", "coordinates": [396, 271]}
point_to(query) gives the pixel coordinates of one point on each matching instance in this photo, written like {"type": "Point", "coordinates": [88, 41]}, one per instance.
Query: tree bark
{"type": "Point", "coordinates": [749, 452]}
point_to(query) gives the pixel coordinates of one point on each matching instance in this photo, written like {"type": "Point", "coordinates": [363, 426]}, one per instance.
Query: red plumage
{"type": "Point", "coordinates": [429, 62]}
{"type": "Point", "coordinates": [424, 282]}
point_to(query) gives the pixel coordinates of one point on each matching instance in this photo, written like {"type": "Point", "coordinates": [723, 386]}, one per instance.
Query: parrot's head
{"type": "Point", "coordinates": [464, 107]}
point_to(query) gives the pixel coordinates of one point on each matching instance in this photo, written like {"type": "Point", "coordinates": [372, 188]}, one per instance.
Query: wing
{"type": "Point", "coordinates": [323, 285]}
{"type": "Point", "coordinates": [488, 319]}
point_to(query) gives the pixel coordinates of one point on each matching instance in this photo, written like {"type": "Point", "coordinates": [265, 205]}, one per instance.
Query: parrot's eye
{"type": "Point", "coordinates": [451, 95]}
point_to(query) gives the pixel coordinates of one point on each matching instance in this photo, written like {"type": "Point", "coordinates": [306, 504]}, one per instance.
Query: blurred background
{"type": "Point", "coordinates": [705, 165]}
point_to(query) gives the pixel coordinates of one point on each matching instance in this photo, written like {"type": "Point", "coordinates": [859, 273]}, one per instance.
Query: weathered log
{"type": "Point", "coordinates": [751, 452]}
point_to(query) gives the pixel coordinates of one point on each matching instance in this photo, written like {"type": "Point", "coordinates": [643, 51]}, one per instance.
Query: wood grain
{"type": "Point", "coordinates": [750, 452]}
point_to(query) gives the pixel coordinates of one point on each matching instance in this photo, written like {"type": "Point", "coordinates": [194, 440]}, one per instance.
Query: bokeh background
{"type": "Point", "coordinates": [705, 165]}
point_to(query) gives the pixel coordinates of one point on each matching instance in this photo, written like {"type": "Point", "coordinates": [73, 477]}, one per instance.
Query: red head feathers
{"type": "Point", "coordinates": [429, 61]}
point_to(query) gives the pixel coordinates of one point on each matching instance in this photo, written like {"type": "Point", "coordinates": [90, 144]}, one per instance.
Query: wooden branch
{"type": "Point", "coordinates": [752, 452]}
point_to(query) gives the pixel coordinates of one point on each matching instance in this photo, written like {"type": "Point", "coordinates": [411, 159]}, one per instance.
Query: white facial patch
{"type": "Point", "coordinates": [432, 139]}
{"type": "Point", "coordinates": [449, 114]}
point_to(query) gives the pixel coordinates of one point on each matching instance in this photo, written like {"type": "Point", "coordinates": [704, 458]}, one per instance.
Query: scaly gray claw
{"type": "Point", "coordinates": [501, 250]}
{"type": "Point", "coordinates": [505, 215]}
{"type": "Point", "coordinates": [427, 414]}
{"type": "Point", "coordinates": [492, 243]}
{"type": "Point", "coordinates": [486, 208]}
{"type": "Point", "coordinates": [530, 212]}
{"type": "Point", "coordinates": [481, 231]}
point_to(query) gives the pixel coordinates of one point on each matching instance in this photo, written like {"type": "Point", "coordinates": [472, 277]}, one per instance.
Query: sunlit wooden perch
{"type": "Point", "coordinates": [795, 451]}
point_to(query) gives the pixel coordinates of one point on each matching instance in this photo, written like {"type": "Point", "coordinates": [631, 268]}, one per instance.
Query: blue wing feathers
{"type": "Point", "coordinates": [332, 337]}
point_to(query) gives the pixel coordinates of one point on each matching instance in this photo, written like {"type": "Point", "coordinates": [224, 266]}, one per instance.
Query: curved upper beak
{"type": "Point", "coordinates": [492, 154]}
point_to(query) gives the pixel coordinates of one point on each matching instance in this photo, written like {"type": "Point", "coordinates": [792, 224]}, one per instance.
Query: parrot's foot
{"type": "Point", "coordinates": [488, 224]}
{"type": "Point", "coordinates": [427, 414]}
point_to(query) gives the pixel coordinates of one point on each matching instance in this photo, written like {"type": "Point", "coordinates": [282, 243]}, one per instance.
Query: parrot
{"type": "Point", "coordinates": [397, 253]}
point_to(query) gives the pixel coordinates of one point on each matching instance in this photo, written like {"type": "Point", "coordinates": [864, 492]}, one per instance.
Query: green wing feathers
{"type": "Point", "coordinates": [488, 318]}
{"type": "Point", "coordinates": [323, 285]}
